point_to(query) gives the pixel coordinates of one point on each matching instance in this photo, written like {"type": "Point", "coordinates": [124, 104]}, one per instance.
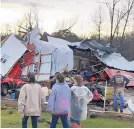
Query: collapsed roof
{"type": "Point", "coordinates": [61, 55]}
{"type": "Point", "coordinates": [106, 54]}
{"type": "Point", "coordinates": [11, 51]}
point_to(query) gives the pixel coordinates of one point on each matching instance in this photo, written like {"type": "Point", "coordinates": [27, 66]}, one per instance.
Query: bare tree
{"type": "Point", "coordinates": [112, 15]}
{"type": "Point", "coordinates": [119, 18]}
{"type": "Point", "coordinates": [130, 5]}
{"type": "Point", "coordinates": [116, 16]}
{"type": "Point", "coordinates": [98, 21]}
{"type": "Point", "coordinates": [118, 24]}
{"type": "Point", "coordinates": [6, 28]}
{"type": "Point", "coordinates": [30, 19]}
{"type": "Point", "coordinates": [64, 30]}
{"type": "Point", "coordinates": [35, 13]}
{"type": "Point", "coordinates": [19, 25]}
{"type": "Point", "coordinates": [66, 25]}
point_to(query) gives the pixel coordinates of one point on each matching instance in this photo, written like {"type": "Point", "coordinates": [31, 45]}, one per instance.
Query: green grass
{"type": "Point", "coordinates": [14, 121]}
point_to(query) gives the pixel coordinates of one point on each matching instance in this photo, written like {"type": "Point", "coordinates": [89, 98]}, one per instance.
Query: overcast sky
{"type": "Point", "coordinates": [55, 11]}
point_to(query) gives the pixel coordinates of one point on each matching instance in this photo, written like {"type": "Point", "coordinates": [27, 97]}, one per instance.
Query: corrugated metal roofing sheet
{"type": "Point", "coordinates": [107, 55]}
{"type": "Point", "coordinates": [129, 75]}
{"type": "Point", "coordinates": [115, 60]}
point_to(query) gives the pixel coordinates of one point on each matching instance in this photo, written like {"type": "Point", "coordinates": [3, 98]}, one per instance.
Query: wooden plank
{"type": "Point", "coordinates": [45, 62]}
{"type": "Point", "coordinates": [111, 112]}
{"type": "Point", "coordinates": [86, 59]}
{"type": "Point", "coordinates": [43, 73]}
{"type": "Point", "coordinates": [96, 111]}
{"type": "Point", "coordinates": [117, 113]}
{"type": "Point", "coordinates": [27, 69]}
{"type": "Point", "coordinates": [45, 54]}
{"type": "Point", "coordinates": [111, 115]}
{"type": "Point", "coordinates": [39, 62]}
{"type": "Point", "coordinates": [62, 70]}
{"type": "Point", "coordinates": [44, 81]}
{"type": "Point", "coordinates": [79, 62]}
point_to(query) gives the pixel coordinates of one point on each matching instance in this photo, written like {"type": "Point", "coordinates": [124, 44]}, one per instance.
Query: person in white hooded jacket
{"type": "Point", "coordinates": [80, 97]}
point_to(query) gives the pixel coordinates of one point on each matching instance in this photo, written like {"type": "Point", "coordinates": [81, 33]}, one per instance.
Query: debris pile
{"type": "Point", "coordinates": [45, 58]}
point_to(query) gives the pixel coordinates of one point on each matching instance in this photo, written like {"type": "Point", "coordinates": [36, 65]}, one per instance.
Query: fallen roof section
{"type": "Point", "coordinates": [102, 51]}
{"type": "Point", "coordinates": [129, 75]}
{"type": "Point", "coordinates": [11, 51]}
{"type": "Point", "coordinates": [117, 61]}
{"type": "Point", "coordinates": [106, 54]}
{"type": "Point", "coordinates": [61, 54]}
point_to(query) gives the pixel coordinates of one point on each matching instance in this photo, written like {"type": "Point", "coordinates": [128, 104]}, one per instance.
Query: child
{"type": "Point", "coordinates": [59, 102]}
{"type": "Point", "coordinates": [80, 97]}
{"type": "Point", "coordinates": [30, 101]}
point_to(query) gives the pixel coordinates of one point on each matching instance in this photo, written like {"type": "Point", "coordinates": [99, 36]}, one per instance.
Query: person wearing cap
{"type": "Point", "coordinates": [119, 82]}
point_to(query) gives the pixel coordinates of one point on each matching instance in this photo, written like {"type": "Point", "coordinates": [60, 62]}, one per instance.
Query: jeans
{"type": "Point", "coordinates": [119, 95]}
{"type": "Point", "coordinates": [33, 120]}
{"type": "Point", "coordinates": [74, 121]}
{"type": "Point", "coordinates": [63, 118]}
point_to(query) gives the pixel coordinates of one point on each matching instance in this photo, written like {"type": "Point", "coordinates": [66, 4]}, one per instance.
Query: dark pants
{"type": "Point", "coordinates": [63, 118]}
{"type": "Point", "coordinates": [33, 120]}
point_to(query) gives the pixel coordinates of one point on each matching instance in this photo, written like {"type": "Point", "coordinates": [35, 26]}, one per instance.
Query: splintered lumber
{"type": "Point", "coordinates": [64, 68]}
{"type": "Point", "coordinates": [45, 54]}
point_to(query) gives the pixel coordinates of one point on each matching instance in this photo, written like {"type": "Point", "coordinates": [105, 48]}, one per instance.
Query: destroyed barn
{"type": "Point", "coordinates": [45, 58]}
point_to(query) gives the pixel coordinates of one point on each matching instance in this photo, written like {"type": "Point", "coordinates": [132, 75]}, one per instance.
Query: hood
{"type": "Point", "coordinates": [79, 92]}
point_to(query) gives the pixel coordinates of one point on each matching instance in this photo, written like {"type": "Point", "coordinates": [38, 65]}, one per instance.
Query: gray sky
{"type": "Point", "coordinates": [55, 11]}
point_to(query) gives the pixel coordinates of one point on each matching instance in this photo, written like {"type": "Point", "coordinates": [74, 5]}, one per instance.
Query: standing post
{"type": "Point", "coordinates": [105, 97]}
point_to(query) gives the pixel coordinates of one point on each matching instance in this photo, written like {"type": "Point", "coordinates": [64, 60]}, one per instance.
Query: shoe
{"type": "Point", "coordinates": [74, 125]}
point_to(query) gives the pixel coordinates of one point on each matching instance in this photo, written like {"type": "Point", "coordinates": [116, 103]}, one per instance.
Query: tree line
{"type": "Point", "coordinates": [120, 13]}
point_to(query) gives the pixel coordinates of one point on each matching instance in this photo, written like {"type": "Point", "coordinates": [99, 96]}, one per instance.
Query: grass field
{"type": "Point", "coordinates": [14, 121]}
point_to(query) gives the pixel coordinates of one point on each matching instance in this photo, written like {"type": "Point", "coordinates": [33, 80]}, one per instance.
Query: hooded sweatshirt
{"type": "Point", "coordinates": [59, 99]}
{"type": "Point", "coordinates": [80, 97]}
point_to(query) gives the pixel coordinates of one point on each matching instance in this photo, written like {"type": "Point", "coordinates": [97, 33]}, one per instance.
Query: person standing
{"type": "Point", "coordinates": [119, 82]}
{"type": "Point", "coordinates": [59, 102]}
{"type": "Point", "coordinates": [53, 80]}
{"type": "Point", "coordinates": [80, 97]}
{"type": "Point", "coordinates": [30, 101]}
